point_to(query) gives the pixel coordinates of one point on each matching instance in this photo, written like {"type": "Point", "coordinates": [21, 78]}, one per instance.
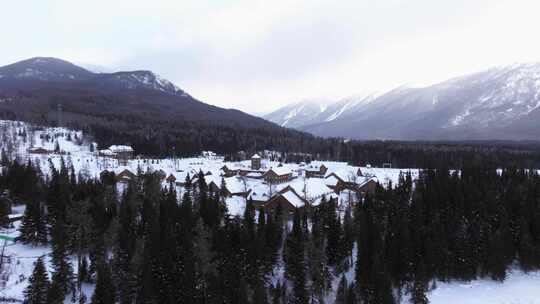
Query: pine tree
{"type": "Point", "coordinates": [259, 293]}
{"type": "Point", "coordinates": [55, 294]}
{"type": "Point", "coordinates": [104, 293]}
{"type": "Point", "coordinates": [351, 295]}
{"type": "Point", "coordinates": [341, 293]}
{"type": "Point", "coordinates": [526, 249]}
{"type": "Point", "coordinates": [62, 277]}
{"type": "Point", "coordinates": [185, 287]}
{"type": "Point", "coordinates": [38, 284]}
{"type": "Point", "coordinates": [278, 294]}
{"type": "Point", "coordinates": [334, 234]}
{"type": "Point", "coordinates": [321, 278]}
{"type": "Point", "coordinates": [125, 245]}
{"type": "Point", "coordinates": [348, 233]}
{"type": "Point", "coordinates": [206, 268]}
{"type": "Point", "coordinates": [33, 228]}
{"type": "Point", "coordinates": [4, 212]}
{"type": "Point", "coordinates": [295, 262]}
{"type": "Point", "coordinates": [419, 288]}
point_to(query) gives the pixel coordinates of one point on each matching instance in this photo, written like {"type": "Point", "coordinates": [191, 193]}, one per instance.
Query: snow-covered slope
{"type": "Point", "coordinates": [499, 103]}
{"type": "Point", "coordinates": [48, 69]}
{"type": "Point", "coordinates": [300, 113]}
{"type": "Point", "coordinates": [44, 69]}
{"type": "Point", "coordinates": [314, 111]}
{"type": "Point", "coordinates": [140, 80]}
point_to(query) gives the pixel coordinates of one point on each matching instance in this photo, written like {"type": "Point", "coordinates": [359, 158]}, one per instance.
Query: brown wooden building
{"type": "Point", "coordinates": [277, 175]}
{"type": "Point", "coordinates": [316, 170]}
{"type": "Point", "coordinates": [288, 199]}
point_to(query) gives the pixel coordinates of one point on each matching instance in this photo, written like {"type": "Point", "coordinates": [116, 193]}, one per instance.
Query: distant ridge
{"type": "Point", "coordinates": [501, 103]}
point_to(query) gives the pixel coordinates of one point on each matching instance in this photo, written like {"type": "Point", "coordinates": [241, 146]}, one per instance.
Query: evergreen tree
{"type": "Point", "coordinates": [104, 293]}
{"type": "Point", "coordinates": [295, 261]}
{"type": "Point", "coordinates": [33, 229]}
{"type": "Point", "coordinates": [259, 294]}
{"type": "Point", "coordinates": [205, 266]}
{"type": "Point", "coordinates": [38, 284]}
{"type": "Point", "coordinates": [62, 278]}
{"type": "Point", "coordinates": [319, 271]}
{"type": "Point", "coordinates": [4, 212]}
{"type": "Point", "coordinates": [125, 245]}
{"type": "Point", "coordinates": [419, 288]}
{"type": "Point", "coordinates": [341, 293]}
{"type": "Point", "coordinates": [334, 234]}
{"type": "Point", "coordinates": [348, 233]}
{"type": "Point", "coordinates": [185, 287]}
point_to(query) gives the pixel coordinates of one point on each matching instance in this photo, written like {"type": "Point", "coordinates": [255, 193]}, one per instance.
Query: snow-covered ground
{"type": "Point", "coordinates": [19, 265]}
{"type": "Point", "coordinates": [518, 288]}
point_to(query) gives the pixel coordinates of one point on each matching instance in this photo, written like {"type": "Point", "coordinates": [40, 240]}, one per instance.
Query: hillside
{"type": "Point", "coordinates": [135, 107]}
{"type": "Point", "coordinates": [501, 103]}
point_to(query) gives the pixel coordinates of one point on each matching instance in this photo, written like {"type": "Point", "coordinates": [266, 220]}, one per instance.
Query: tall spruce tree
{"type": "Point", "coordinates": [341, 293]}
{"type": "Point", "coordinates": [62, 277]}
{"type": "Point", "coordinates": [38, 284]}
{"type": "Point", "coordinates": [104, 293]}
{"type": "Point", "coordinates": [295, 266]}
{"type": "Point", "coordinates": [33, 229]}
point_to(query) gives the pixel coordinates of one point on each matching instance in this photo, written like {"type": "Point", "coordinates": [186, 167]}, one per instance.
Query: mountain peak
{"type": "Point", "coordinates": [50, 69]}
{"type": "Point", "coordinates": [143, 79]}
{"type": "Point", "coordinates": [44, 69]}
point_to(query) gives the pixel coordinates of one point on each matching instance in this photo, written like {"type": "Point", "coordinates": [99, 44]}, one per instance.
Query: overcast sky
{"type": "Point", "coordinates": [258, 55]}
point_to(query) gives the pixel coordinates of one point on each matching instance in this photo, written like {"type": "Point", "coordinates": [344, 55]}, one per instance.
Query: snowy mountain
{"type": "Point", "coordinates": [499, 103]}
{"type": "Point", "coordinates": [47, 69]}
{"type": "Point", "coordinates": [139, 80]}
{"type": "Point", "coordinates": [44, 69]}
{"type": "Point", "coordinates": [314, 111]}
{"type": "Point", "coordinates": [299, 114]}
{"type": "Point", "coordinates": [35, 86]}
{"type": "Point", "coordinates": [138, 107]}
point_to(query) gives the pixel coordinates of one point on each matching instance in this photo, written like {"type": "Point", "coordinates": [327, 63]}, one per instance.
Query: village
{"type": "Point", "coordinates": [265, 182]}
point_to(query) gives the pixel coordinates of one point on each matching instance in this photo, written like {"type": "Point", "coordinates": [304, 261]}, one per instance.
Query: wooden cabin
{"type": "Point", "coordinates": [277, 175]}
{"type": "Point", "coordinates": [316, 170]}
{"type": "Point", "coordinates": [125, 176]}
{"type": "Point", "coordinates": [288, 199]}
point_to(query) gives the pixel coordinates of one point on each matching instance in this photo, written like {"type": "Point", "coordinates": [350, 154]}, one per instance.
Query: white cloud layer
{"type": "Point", "coordinates": [258, 55]}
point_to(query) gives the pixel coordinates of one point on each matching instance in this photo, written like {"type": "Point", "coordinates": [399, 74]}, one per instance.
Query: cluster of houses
{"type": "Point", "coordinates": [266, 183]}
{"type": "Point", "coordinates": [263, 180]}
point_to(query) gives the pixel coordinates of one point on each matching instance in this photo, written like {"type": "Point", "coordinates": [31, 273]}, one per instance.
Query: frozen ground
{"type": "Point", "coordinates": [518, 288]}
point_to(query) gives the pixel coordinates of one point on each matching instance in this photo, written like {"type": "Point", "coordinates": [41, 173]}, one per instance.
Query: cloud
{"type": "Point", "coordinates": [257, 55]}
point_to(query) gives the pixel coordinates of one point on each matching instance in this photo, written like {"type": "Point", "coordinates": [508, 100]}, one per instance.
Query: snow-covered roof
{"type": "Point", "coordinates": [362, 180]}
{"type": "Point", "coordinates": [254, 174]}
{"type": "Point", "coordinates": [293, 198]}
{"type": "Point", "coordinates": [314, 166]}
{"type": "Point", "coordinates": [281, 170]}
{"type": "Point", "coordinates": [120, 148]}
{"type": "Point", "coordinates": [256, 156]}
{"type": "Point", "coordinates": [311, 188]}
{"type": "Point", "coordinates": [106, 152]}
{"type": "Point", "coordinates": [331, 181]}
{"type": "Point", "coordinates": [234, 184]}
{"type": "Point", "coordinates": [347, 174]}
{"type": "Point", "coordinates": [235, 205]}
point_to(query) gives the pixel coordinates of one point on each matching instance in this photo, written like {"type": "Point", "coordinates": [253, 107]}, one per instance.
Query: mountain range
{"type": "Point", "coordinates": [501, 103]}
{"type": "Point", "coordinates": [136, 107]}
